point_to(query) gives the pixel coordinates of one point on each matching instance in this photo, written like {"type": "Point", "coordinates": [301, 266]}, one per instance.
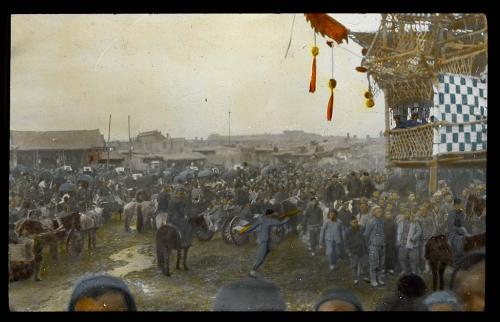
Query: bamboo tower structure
{"type": "Point", "coordinates": [434, 65]}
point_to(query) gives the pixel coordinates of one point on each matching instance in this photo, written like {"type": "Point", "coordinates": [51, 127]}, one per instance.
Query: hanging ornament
{"type": "Point", "coordinates": [361, 69]}
{"type": "Point", "coordinates": [332, 83]}
{"type": "Point", "coordinates": [369, 94]}
{"type": "Point", "coordinates": [314, 52]}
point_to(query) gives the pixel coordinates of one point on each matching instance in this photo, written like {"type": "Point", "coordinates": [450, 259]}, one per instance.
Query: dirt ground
{"type": "Point", "coordinates": [130, 256]}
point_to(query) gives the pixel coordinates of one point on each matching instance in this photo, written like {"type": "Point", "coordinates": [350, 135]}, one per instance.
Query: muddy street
{"type": "Point", "coordinates": [131, 256]}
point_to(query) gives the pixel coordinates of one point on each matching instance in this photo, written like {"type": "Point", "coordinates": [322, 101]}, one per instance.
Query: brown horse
{"type": "Point", "coordinates": [439, 254]}
{"type": "Point", "coordinates": [168, 237]}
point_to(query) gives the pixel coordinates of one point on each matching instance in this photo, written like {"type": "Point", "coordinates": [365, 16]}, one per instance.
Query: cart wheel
{"type": "Point", "coordinates": [74, 243]}
{"type": "Point", "coordinates": [238, 239]}
{"type": "Point", "coordinates": [204, 234]}
{"type": "Point", "coordinates": [226, 231]}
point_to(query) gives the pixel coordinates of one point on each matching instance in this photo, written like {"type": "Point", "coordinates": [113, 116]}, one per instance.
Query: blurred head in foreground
{"type": "Point", "coordinates": [101, 293]}
{"type": "Point", "coordinates": [250, 294]}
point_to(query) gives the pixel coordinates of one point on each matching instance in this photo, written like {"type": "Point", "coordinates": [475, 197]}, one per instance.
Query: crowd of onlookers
{"type": "Point", "coordinates": [377, 222]}
{"type": "Point", "coordinates": [466, 293]}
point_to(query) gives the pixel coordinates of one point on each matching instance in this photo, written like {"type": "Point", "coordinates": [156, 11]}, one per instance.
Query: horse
{"type": "Point", "coordinates": [41, 236]}
{"type": "Point", "coordinates": [474, 207]}
{"type": "Point", "coordinates": [90, 221]}
{"type": "Point", "coordinates": [143, 211]}
{"type": "Point", "coordinates": [167, 238]}
{"type": "Point", "coordinates": [439, 254]}
{"type": "Point", "coordinates": [111, 206]}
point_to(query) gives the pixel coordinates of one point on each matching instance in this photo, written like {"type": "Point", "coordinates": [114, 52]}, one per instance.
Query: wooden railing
{"type": "Point", "coordinates": [411, 144]}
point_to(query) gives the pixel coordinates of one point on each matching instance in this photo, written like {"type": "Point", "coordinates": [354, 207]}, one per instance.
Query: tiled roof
{"type": "Point", "coordinates": [57, 140]}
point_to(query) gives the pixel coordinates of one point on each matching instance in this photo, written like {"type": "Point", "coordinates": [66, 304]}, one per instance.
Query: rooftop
{"type": "Point", "coordinates": [57, 140]}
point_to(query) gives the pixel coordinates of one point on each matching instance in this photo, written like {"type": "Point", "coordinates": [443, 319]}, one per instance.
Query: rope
{"type": "Point", "coordinates": [353, 53]}
{"type": "Point", "coordinates": [291, 34]}
{"type": "Point", "coordinates": [332, 60]}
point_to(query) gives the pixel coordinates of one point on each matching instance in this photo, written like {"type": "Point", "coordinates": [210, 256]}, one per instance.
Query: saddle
{"type": "Point", "coordinates": [175, 228]}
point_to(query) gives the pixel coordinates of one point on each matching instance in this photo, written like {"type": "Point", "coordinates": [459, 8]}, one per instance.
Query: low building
{"type": "Point", "coordinates": [146, 140]}
{"type": "Point", "coordinates": [51, 149]}
{"type": "Point", "coordinates": [115, 158]}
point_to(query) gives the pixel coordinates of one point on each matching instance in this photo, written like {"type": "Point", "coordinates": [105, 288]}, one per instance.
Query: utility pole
{"type": "Point", "coordinates": [107, 147]}
{"type": "Point", "coordinates": [129, 146]}
{"type": "Point", "coordinates": [229, 118]}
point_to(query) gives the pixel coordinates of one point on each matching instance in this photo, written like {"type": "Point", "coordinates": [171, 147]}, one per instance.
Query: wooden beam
{"type": "Point", "coordinates": [411, 163]}
{"type": "Point", "coordinates": [450, 159]}
{"type": "Point", "coordinates": [433, 176]}
{"type": "Point", "coordinates": [454, 38]}
{"type": "Point", "coordinates": [448, 60]}
{"type": "Point", "coordinates": [473, 162]}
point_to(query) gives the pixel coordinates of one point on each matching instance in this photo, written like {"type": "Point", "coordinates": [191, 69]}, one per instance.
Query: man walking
{"type": "Point", "coordinates": [456, 230]}
{"type": "Point", "coordinates": [375, 236]}
{"type": "Point", "coordinates": [355, 246]}
{"type": "Point", "coordinates": [403, 228]}
{"type": "Point", "coordinates": [414, 242]}
{"type": "Point", "coordinates": [313, 220]}
{"type": "Point", "coordinates": [331, 237]}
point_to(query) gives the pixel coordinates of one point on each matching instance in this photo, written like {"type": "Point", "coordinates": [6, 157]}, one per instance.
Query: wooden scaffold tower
{"type": "Point", "coordinates": [434, 65]}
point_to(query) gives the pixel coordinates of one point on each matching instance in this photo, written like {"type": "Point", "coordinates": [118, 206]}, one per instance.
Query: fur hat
{"type": "Point", "coordinates": [250, 294]}
{"type": "Point", "coordinates": [442, 297]}
{"type": "Point", "coordinates": [342, 295]}
{"type": "Point", "coordinates": [95, 285]}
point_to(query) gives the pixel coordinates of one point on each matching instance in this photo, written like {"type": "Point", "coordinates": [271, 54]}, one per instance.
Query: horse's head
{"type": "Point", "coordinates": [29, 227]}
{"type": "Point", "coordinates": [198, 221]}
{"type": "Point", "coordinates": [475, 242]}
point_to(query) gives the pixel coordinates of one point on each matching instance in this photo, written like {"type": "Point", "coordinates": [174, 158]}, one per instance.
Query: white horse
{"type": "Point", "coordinates": [144, 211]}
{"type": "Point", "coordinates": [90, 221]}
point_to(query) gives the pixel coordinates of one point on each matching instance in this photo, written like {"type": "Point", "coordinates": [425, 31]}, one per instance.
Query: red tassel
{"type": "Point", "coordinates": [329, 110]}
{"type": "Point", "coordinates": [312, 84]}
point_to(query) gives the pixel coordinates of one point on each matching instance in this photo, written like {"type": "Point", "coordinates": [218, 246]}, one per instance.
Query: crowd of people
{"type": "Point", "coordinates": [107, 293]}
{"type": "Point", "coordinates": [379, 223]}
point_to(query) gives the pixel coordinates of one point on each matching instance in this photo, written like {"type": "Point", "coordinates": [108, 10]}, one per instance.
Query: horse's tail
{"type": "Point", "coordinates": [168, 227]}
{"type": "Point", "coordinates": [139, 217]}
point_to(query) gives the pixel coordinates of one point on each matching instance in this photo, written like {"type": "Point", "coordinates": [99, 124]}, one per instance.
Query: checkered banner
{"type": "Point", "coordinates": [460, 99]}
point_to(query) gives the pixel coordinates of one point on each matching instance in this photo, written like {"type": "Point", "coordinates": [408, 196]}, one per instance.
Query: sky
{"type": "Point", "coordinates": [181, 74]}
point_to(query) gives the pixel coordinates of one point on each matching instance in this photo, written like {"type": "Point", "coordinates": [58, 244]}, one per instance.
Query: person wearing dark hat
{"type": "Point", "coordinates": [335, 191]}
{"type": "Point", "coordinates": [263, 226]}
{"type": "Point", "coordinates": [101, 293]}
{"type": "Point", "coordinates": [179, 215]}
{"type": "Point", "coordinates": [353, 185]}
{"type": "Point", "coordinates": [398, 122]}
{"type": "Point", "coordinates": [456, 229]}
{"type": "Point", "coordinates": [163, 199]}
{"type": "Point", "coordinates": [367, 186]}
{"type": "Point", "coordinates": [249, 294]}
{"type": "Point", "coordinates": [413, 121]}
{"type": "Point", "coordinates": [313, 221]}
{"type": "Point", "coordinates": [339, 300]}
{"type": "Point", "coordinates": [410, 290]}
{"type": "Point", "coordinates": [357, 251]}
